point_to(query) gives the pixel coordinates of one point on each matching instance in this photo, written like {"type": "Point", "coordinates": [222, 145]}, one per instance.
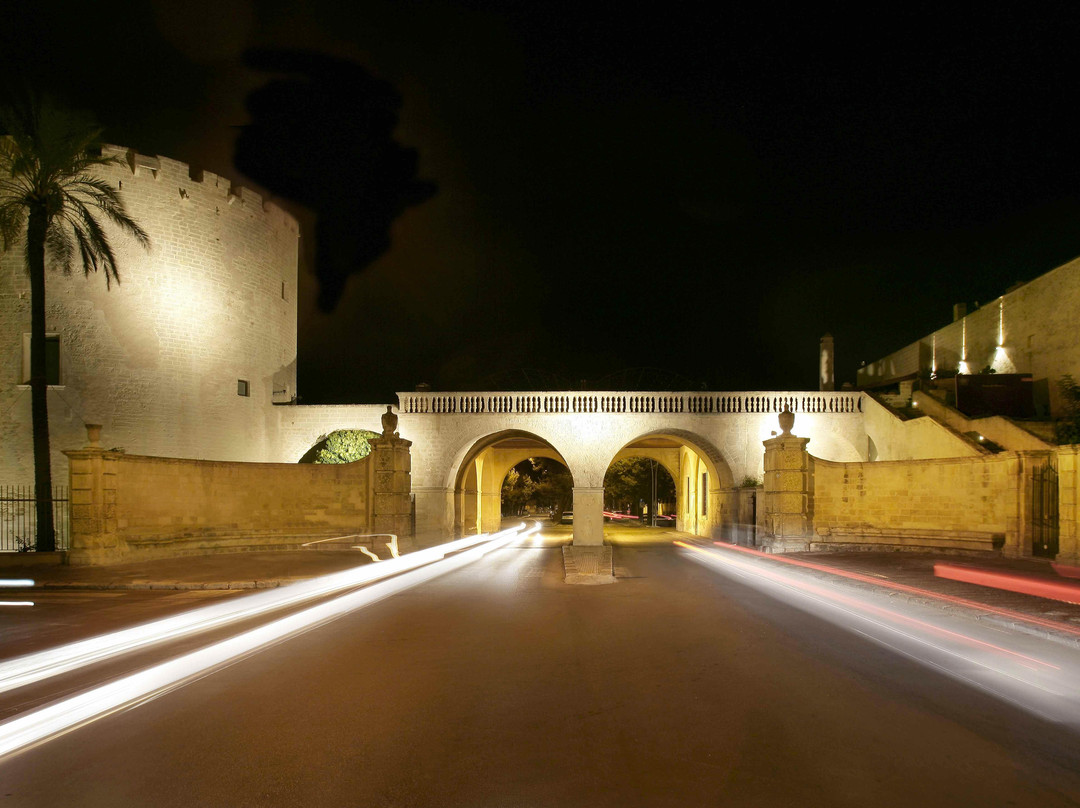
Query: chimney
{"type": "Point", "coordinates": [827, 366]}
{"type": "Point", "coordinates": [959, 311]}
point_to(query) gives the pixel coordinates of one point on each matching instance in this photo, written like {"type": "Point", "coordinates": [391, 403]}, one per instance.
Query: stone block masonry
{"type": "Point", "coordinates": [127, 507]}
{"type": "Point", "coordinates": [1031, 329]}
{"type": "Point", "coordinates": [967, 503]}
{"type": "Point", "coordinates": [187, 355]}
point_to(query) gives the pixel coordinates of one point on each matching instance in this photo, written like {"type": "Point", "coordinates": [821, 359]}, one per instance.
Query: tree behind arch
{"type": "Point", "coordinates": [49, 192]}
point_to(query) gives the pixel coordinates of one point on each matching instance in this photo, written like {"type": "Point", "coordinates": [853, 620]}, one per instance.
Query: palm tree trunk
{"type": "Point", "coordinates": [39, 383]}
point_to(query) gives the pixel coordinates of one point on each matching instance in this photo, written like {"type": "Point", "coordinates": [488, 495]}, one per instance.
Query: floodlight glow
{"type": "Point", "coordinates": [63, 716]}
{"type": "Point", "coordinates": [35, 667]}
{"type": "Point", "coordinates": [963, 367]}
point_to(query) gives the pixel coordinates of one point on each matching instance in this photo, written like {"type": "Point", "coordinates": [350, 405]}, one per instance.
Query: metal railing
{"type": "Point", "coordinates": [570, 402]}
{"type": "Point", "coordinates": [18, 518]}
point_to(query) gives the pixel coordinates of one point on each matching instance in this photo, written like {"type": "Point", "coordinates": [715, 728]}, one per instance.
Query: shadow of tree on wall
{"type": "Point", "coordinates": [321, 135]}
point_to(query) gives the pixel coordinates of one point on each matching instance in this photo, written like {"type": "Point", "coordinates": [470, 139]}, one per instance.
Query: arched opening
{"type": "Point", "coordinates": [639, 491]}
{"type": "Point", "coordinates": [479, 481]}
{"type": "Point", "coordinates": [702, 497]}
{"type": "Point", "coordinates": [538, 486]}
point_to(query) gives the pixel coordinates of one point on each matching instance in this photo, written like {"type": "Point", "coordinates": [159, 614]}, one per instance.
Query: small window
{"type": "Point", "coordinates": [704, 493]}
{"type": "Point", "coordinates": [52, 359]}
{"type": "Point", "coordinates": [242, 387]}
{"type": "Point", "coordinates": [284, 291]}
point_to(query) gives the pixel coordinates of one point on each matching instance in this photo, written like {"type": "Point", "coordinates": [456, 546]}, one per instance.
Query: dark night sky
{"type": "Point", "coordinates": [701, 193]}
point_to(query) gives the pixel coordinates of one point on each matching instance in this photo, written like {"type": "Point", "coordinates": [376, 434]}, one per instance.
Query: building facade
{"type": "Point", "coordinates": [1030, 329]}
{"type": "Point", "coordinates": [188, 355]}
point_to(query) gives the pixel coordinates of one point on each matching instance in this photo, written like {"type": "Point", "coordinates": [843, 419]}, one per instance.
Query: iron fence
{"type": "Point", "coordinates": [18, 518]}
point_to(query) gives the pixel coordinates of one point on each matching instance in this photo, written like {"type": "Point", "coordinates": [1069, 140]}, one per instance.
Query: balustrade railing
{"type": "Point", "coordinates": [594, 402]}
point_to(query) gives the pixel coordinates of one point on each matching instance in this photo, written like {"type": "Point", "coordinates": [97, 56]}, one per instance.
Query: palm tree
{"type": "Point", "coordinates": [47, 185]}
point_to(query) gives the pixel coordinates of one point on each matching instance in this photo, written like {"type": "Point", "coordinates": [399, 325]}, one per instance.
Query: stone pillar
{"type": "Point", "coordinates": [1068, 462]}
{"type": "Point", "coordinates": [391, 505]}
{"type": "Point", "coordinates": [92, 482]}
{"type": "Point", "coordinates": [490, 511]}
{"type": "Point", "coordinates": [827, 368]}
{"type": "Point", "coordinates": [786, 495]}
{"type": "Point", "coordinates": [435, 513]}
{"type": "Point", "coordinates": [588, 517]}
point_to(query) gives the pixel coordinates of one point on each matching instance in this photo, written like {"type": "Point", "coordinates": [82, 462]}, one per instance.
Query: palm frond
{"type": "Point", "coordinates": [98, 243]}
{"type": "Point", "coordinates": [58, 243]}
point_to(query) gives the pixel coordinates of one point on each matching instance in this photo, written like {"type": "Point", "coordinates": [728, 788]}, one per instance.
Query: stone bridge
{"type": "Point", "coordinates": [465, 443]}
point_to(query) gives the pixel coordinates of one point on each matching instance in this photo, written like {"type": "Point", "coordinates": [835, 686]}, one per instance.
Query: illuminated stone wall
{"type": "Point", "coordinates": [128, 507]}
{"type": "Point", "coordinates": [301, 427]}
{"type": "Point", "coordinates": [1068, 466]}
{"type": "Point", "coordinates": [1031, 329]}
{"type": "Point", "coordinates": [892, 438]}
{"type": "Point", "coordinates": [966, 503]}
{"type": "Point", "coordinates": [157, 359]}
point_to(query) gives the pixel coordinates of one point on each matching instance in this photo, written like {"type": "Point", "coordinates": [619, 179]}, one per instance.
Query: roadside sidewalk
{"type": "Point", "coordinates": [911, 576]}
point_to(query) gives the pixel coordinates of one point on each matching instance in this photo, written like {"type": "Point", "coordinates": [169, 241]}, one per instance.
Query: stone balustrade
{"type": "Point", "coordinates": [697, 403]}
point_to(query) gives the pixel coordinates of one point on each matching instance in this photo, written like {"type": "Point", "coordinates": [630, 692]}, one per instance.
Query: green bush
{"type": "Point", "coordinates": [341, 446]}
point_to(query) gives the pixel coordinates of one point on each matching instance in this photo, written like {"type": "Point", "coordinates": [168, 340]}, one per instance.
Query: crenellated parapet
{"type": "Point", "coordinates": [196, 184]}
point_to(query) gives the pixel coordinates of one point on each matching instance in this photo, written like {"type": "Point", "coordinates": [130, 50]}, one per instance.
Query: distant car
{"type": "Point", "coordinates": [665, 519]}
{"type": "Point", "coordinates": [567, 518]}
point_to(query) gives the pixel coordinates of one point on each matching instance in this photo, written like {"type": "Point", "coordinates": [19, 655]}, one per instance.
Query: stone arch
{"type": "Point", "coordinates": [718, 465]}
{"type": "Point", "coordinates": [478, 472]}
{"type": "Point", "coordinates": [704, 483]}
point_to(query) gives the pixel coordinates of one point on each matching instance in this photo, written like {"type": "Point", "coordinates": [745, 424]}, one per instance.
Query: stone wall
{"type": "Point", "coordinates": [126, 507]}
{"type": "Point", "coordinates": [968, 503]}
{"type": "Point", "coordinates": [1068, 466]}
{"type": "Point", "coordinates": [1031, 329]}
{"type": "Point", "coordinates": [1001, 430]}
{"type": "Point", "coordinates": [893, 438]}
{"type": "Point", "coordinates": [301, 427]}
{"type": "Point", "coordinates": [157, 359]}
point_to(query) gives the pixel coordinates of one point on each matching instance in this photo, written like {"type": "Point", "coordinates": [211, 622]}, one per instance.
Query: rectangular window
{"type": "Point", "coordinates": [52, 359]}
{"type": "Point", "coordinates": [284, 296]}
{"type": "Point", "coordinates": [242, 387]}
{"type": "Point", "coordinates": [704, 493]}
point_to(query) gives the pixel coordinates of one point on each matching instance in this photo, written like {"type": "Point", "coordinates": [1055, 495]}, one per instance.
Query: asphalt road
{"type": "Point", "coordinates": [498, 685]}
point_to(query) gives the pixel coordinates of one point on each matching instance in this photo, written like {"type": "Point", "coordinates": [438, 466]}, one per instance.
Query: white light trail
{"type": "Point", "coordinates": [16, 603]}
{"type": "Point", "coordinates": [63, 716]}
{"type": "Point", "coordinates": [34, 667]}
{"type": "Point", "coordinates": [1029, 672]}
{"type": "Point", "coordinates": [6, 582]}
